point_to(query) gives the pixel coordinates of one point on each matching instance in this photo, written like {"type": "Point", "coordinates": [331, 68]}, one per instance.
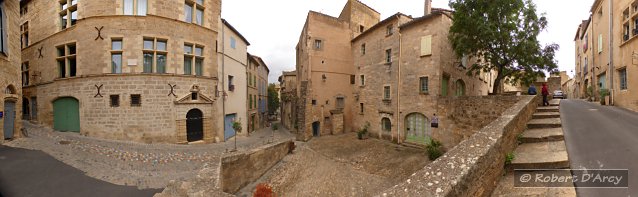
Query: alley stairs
{"type": "Point", "coordinates": [541, 146]}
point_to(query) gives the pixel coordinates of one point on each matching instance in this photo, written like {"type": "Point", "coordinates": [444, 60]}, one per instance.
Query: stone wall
{"type": "Point", "coordinates": [10, 68]}
{"type": "Point", "coordinates": [474, 167]}
{"type": "Point", "coordinates": [241, 169]}
{"type": "Point", "coordinates": [461, 117]}
{"type": "Point", "coordinates": [160, 118]}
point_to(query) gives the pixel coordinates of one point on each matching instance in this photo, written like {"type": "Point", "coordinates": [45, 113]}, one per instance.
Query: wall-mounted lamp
{"type": "Point", "coordinates": [324, 77]}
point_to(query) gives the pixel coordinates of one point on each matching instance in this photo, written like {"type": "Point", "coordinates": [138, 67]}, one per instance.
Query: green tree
{"type": "Point", "coordinates": [502, 36]}
{"type": "Point", "coordinates": [273, 98]}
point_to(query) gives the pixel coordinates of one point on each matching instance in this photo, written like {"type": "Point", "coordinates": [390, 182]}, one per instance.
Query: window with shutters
{"type": "Point", "coordinates": [426, 45]}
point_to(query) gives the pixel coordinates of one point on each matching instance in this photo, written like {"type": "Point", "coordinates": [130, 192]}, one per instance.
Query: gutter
{"type": "Point", "coordinates": [398, 121]}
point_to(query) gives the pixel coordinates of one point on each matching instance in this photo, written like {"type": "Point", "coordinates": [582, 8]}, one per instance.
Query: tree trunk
{"type": "Point", "coordinates": [497, 84]}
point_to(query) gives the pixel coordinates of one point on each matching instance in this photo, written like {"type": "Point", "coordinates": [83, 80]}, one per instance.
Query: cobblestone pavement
{"type": "Point", "coordinates": [341, 165]}
{"type": "Point", "coordinates": [135, 164]}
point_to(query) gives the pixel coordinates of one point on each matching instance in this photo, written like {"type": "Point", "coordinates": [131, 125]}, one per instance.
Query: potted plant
{"type": "Point", "coordinates": [237, 126]}
{"type": "Point", "coordinates": [363, 131]}
{"type": "Point", "coordinates": [604, 93]}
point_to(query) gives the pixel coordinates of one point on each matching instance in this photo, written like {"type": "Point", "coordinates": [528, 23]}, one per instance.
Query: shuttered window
{"type": "Point", "coordinates": [600, 43]}
{"type": "Point", "coordinates": [426, 45]}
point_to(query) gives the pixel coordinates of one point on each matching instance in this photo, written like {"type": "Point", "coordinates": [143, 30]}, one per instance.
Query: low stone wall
{"type": "Point", "coordinates": [474, 167]}
{"type": "Point", "coordinates": [241, 169]}
{"type": "Point", "coordinates": [461, 117]}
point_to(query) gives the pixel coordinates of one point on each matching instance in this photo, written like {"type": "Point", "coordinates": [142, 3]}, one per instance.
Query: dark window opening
{"type": "Point", "coordinates": [136, 100]}
{"type": "Point", "coordinates": [194, 96]}
{"type": "Point", "coordinates": [314, 102]}
{"type": "Point", "coordinates": [115, 100]}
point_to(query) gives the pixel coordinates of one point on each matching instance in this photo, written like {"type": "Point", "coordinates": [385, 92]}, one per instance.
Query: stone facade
{"type": "Point", "coordinates": [252, 112]}
{"type": "Point", "coordinates": [10, 82]}
{"type": "Point", "coordinates": [593, 57]}
{"type": "Point", "coordinates": [288, 84]}
{"type": "Point", "coordinates": [324, 73]}
{"type": "Point", "coordinates": [76, 60]}
{"type": "Point", "coordinates": [262, 92]}
{"type": "Point", "coordinates": [394, 74]}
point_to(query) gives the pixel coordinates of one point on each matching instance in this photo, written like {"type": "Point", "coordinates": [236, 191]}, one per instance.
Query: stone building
{"type": "Point", "coordinates": [609, 61]}
{"type": "Point", "coordinates": [132, 70]}
{"type": "Point", "coordinates": [11, 99]}
{"type": "Point", "coordinates": [262, 92]}
{"type": "Point", "coordinates": [233, 64]}
{"type": "Point", "coordinates": [389, 74]}
{"type": "Point", "coordinates": [252, 94]}
{"type": "Point", "coordinates": [288, 95]}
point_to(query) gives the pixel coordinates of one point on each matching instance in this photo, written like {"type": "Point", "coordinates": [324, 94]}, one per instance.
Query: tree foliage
{"type": "Point", "coordinates": [273, 98]}
{"type": "Point", "coordinates": [502, 36]}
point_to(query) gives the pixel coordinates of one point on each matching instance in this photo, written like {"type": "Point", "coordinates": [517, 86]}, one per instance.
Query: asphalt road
{"type": "Point", "coordinates": [601, 137]}
{"type": "Point", "coordinates": [35, 173]}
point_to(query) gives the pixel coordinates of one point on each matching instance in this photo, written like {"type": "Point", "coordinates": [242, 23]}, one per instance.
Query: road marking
{"type": "Point", "coordinates": [593, 109]}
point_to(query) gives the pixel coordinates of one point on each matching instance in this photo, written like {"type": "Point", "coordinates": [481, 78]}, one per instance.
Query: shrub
{"type": "Point", "coordinates": [363, 130]}
{"type": "Point", "coordinates": [509, 158]}
{"type": "Point", "coordinates": [275, 126]}
{"type": "Point", "coordinates": [237, 126]}
{"type": "Point", "coordinates": [263, 190]}
{"type": "Point", "coordinates": [434, 149]}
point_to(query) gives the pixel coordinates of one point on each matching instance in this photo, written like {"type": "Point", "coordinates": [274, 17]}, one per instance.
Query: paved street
{"type": "Point", "coordinates": [35, 173]}
{"type": "Point", "coordinates": [75, 164]}
{"type": "Point", "coordinates": [601, 137]}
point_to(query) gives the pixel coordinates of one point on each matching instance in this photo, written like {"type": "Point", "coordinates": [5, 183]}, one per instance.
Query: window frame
{"type": "Point", "coordinates": [67, 57]}
{"type": "Point", "coordinates": [155, 53]}
{"type": "Point", "coordinates": [386, 125]}
{"type": "Point", "coordinates": [114, 51]}
{"type": "Point", "coordinates": [114, 100]}
{"type": "Point", "coordinates": [4, 48]}
{"type": "Point", "coordinates": [624, 82]}
{"type": "Point", "coordinates": [138, 99]}
{"type": "Point", "coordinates": [69, 12]}
{"type": "Point", "coordinates": [387, 93]}
{"type": "Point", "coordinates": [195, 7]}
{"type": "Point", "coordinates": [388, 56]}
{"type": "Point", "coordinates": [427, 85]}
{"type": "Point", "coordinates": [194, 57]}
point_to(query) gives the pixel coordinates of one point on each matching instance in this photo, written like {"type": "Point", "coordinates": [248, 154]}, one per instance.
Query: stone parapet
{"type": "Point", "coordinates": [474, 167]}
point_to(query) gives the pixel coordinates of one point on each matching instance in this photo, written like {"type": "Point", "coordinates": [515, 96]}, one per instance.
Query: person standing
{"type": "Point", "coordinates": [532, 90]}
{"type": "Point", "coordinates": [545, 93]}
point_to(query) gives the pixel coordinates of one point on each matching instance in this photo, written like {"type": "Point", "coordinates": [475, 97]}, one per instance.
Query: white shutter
{"type": "Point", "coordinates": [426, 45]}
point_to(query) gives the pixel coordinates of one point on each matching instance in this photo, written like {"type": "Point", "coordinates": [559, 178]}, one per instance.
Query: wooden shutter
{"type": "Point", "coordinates": [600, 43]}
{"type": "Point", "coordinates": [426, 45]}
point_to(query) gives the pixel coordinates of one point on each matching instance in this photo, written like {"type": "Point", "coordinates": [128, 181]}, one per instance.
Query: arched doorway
{"type": "Point", "coordinates": [460, 88]}
{"type": "Point", "coordinates": [417, 128]}
{"type": "Point", "coordinates": [194, 125]}
{"type": "Point", "coordinates": [66, 114]}
{"type": "Point", "coordinates": [9, 118]}
{"type": "Point", "coordinates": [315, 129]}
{"type": "Point", "coordinates": [26, 111]}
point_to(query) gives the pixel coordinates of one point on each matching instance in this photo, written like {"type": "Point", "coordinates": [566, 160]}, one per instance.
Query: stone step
{"type": "Point", "coordinates": [542, 155]}
{"type": "Point", "coordinates": [413, 145]}
{"type": "Point", "coordinates": [544, 123]}
{"type": "Point", "coordinates": [505, 188]}
{"type": "Point", "coordinates": [541, 115]}
{"type": "Point", "coordinates": [547, 109]}
{"type": "Point", "coordinates": [542, 135]}
{"type": "Point", "coordinates": [554, 102]}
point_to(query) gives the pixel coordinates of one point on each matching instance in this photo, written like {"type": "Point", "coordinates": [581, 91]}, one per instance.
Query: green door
{"type": "Point", "coordinates": [66, 114]}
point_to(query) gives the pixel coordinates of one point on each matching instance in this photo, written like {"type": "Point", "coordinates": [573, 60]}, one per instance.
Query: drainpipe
{"type": "Point", "coordinates": [399, 90]}
{"type": "Point", "coordinates": [593, 56]}
{"type": "Point", "coordinates": [611, 54]}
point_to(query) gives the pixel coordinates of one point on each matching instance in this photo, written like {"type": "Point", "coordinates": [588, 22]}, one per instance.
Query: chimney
{"type": "Point", "coordinates": [428, 7]}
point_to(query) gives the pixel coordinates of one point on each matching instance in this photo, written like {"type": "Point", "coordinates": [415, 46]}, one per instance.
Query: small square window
{"type": "Point", "coordinates": [318, 44]}
{"type": "Point", "coordinates": [148, 44]}
{"type": "Point", "coordinates": [136, 100]}
{"type": "Point", "coordinates": [194, 96]}
{"type": "Point", "coordinates": [233, 42]}
{"type": "Point", "coordinates": [389, 30]}
{"type": "Point", "coordinates": [361, 28]}
{"type": "Point", "coordinates": [314, 102]}
{"type": "Point", "coordinates": [115, 100]}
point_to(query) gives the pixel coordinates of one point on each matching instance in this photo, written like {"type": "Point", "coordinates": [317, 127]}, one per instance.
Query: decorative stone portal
{"type": "Point", "coordinates": [194, 125]}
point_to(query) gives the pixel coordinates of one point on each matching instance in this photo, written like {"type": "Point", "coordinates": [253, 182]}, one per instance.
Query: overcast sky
{"type": "Point", "coordinates": [273, 27]}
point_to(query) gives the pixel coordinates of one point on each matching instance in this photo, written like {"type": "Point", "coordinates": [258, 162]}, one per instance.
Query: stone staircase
{"type": "Point", "coordinates": [542, 146]}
